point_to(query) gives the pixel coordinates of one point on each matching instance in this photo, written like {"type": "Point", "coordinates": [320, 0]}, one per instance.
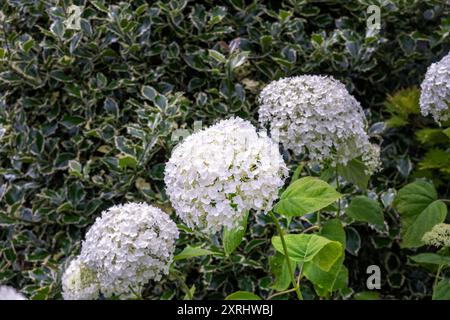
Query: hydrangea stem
{"type": "Point", "coordinates": [438, 273]}
{"type": "Point", "coordinates": [280, 293]}
{"type": "Point", "coordinates": [318, 218]}
{"type": "Point", "coordinates": [182, 281]}
{"type": "Point", "coordinates": [338, 189]}
{"type": "Point", "coordinates": [286, 254]}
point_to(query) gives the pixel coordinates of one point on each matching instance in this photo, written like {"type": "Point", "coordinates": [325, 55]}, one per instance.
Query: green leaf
{"type": "Point", "coordinates": [141, 9]}
{"type": "Point", "coordinates": [75, 168]}
{"type": "Point", "coordinates": [111, 106]}
{"type": "Point", "coordinates": [306, 195]}
{"type": "Point", "coordinates": [71, 121]}
{"type": "Point", "coordinates": [442, 290]}
{"type": "Point", "coordinates": [265, 42]}
{"type": "Point", "coordinates": [334, 279]}
{"type": "Point", "coordinates": [333, 230]}
{"type": "Point", "coordinates": [65, 207]}
{"type": "Point", "coordinates": [297, 172]}
{"type": "Point", "coordinates": [149, 93]}
{"type": "Point", "coordinates": [189, 293]}
{"type": "Point", "coordinates": [161, 102]}
{"type": "Point", "coordinates": [435, 213]}
{"type": "Point", "coordinates": [337, 277]}
{"type": "Point", "coordinates": [396, 121]}
{"type": "Point", "coordinates": [413, 198]}
{"type": "Point", "coordinates": [41, 293]}
{"type": "Point", "coordinates": [86, 27]}
{"type": "Point", "coordinates": [57, 28]}
{"type": "Point", "coordinates": [403, 103]}
{"type": "Point", "coordinates": [238, 60]}
{"type": "Point", "coordinates": [284, 15]}
{"type": "Point", "coordinates": [310, 247]}
{"type": "Point", "coordinates": [431, 258]}
{"type": "Point", "coordinates": [317, 38]}
{"type": "Point", "coordinates": [233, 237]}
{"type": "Point", "coordinates": [243, 295]}
{"type": "Point", "coordinates": [75, 193]}
{"type": "Point", "coordinates": [367, 295]}
{"type": "Point", "coordinates": [447, 132]}
{"type": "Point", "coordinates": [279, 267]}
{"type": "Point", "coordinates": [127, 161]}
{"type": "Point", "coordinates": [404, 166]}
{"type": "Point", "coordinates": [419, 210]}
{"type": "Point", "coordinates": [61, 76]}
{"type": "Point", "coordinates": [354, 172]}
{"type": "Point", "coordinates": [28, 45]}
{"type": "Point", "coordinates": [432, 136]}
{"type": "Point", "coordinates": [436, 159]}
{"type": "Point", "coordinates": [362, 208]}
{"type": "Point", "coordinates": [217, 56]}
{"type": "Point", "coordinates": [100, 6]}
{"type": "Point", "coordinates": [282, 62]}
{"type": "Point", "coordinates": [191, 252]}
{"type": "Point", "coordinates": [353, 242]}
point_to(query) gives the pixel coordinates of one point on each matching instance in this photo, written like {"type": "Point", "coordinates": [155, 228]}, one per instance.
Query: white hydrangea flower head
{"type": "Point", "coordinates": [317, 116]}
{"type": "Point", "coordinates": [435, 93]}
{"type": "Point", "coordinates": [439, 236]}
{"type": "Point", "coordinates": [9, 293]}
{"type": "Point", "coordinates": [217, 174]}
{"type": "Point", "coordinates": [129, 245]}
{"type": "Point", "coordinates": [371, 158]}
{"type": "Point", "coordinates": [79, 282]}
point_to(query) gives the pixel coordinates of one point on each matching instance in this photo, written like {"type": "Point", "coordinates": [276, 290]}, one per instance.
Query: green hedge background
{"type": "Point", "coordinates": [87, 116]}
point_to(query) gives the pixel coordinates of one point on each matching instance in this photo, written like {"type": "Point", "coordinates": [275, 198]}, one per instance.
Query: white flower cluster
{"type": "Point", "coordinates": [125, 248]}
{"type": "Point", "coordinates": [371, 158]}
{"type": "Point", "coordinates": [8, 293]}
{"type": "Point", "coordinates": [316, 115]}
{"type": "Point", "coordinates": [79, 282]}
{"type": "Point", "coordinates": [439, 236]}
{"type": "Point", "coordinates": [215, 175]}
{"type": "Point", "coordinates": [435, 93]}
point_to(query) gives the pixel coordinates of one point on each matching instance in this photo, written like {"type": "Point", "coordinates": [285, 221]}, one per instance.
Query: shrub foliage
{"type": "Point", "coordinates": [87, 114]}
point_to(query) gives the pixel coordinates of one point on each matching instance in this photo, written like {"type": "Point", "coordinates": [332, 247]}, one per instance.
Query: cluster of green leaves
{"type": "Point", "coordinates": [319, 256]}
{"type": "Point", "coordinates": [414, 147]}
{"type": "Point", "coordinates": [434, 140]}
{"type": "Point", "coordinates": [87, 114]}
{"type": "Point", "coordinates": [420, 211]}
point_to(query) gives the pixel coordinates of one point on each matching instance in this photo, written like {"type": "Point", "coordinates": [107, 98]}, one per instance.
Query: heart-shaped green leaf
{"type": "Point", "coordinates": [306, 195]}
{"type": "Point", "coordinates": [310, 247]}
